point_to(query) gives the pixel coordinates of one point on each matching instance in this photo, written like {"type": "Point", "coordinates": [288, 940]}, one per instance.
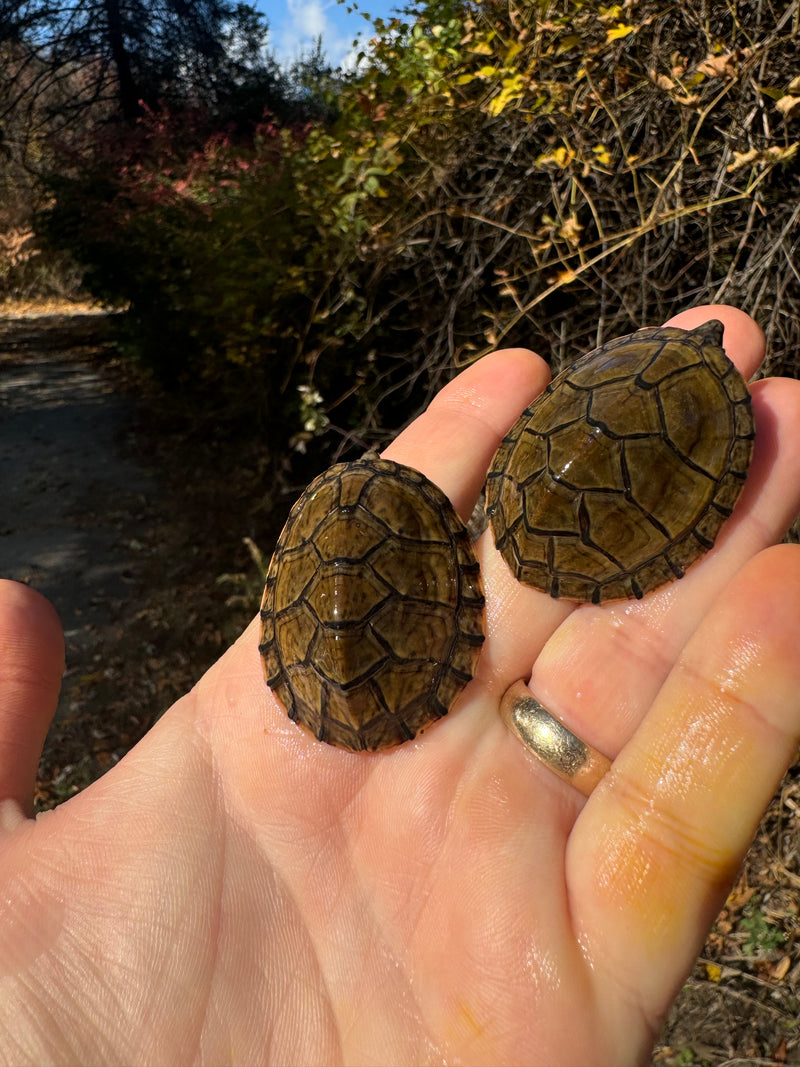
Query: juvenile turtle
{"type": "Point", "coordinates": [620, 475]}
{"type": "Point", "coordinates": [372, 615]}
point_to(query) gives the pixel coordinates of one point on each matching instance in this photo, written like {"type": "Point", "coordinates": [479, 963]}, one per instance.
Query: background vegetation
{"type": "Point", "coordinates": [299, 258]}
{"type": "Point", "coordinates": [318, 251]}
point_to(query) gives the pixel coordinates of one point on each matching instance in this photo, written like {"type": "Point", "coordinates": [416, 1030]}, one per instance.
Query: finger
{"type": "Point", "coordinates": [30, 678]}
{"type": "Point", "coordinates": [657, 845]}
{"type": "Point", "coordinates": [453, 441]}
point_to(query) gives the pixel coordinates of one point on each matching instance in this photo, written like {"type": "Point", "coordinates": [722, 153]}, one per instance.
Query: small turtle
{"type": "Point", "coordinates": [372, 615]}
{"type": "Point", "coordinates": [620, 475]}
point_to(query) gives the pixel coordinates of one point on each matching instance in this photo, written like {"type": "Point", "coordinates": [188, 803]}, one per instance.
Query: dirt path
{"type": "Point", "coordinates": [123, 525]}
{"type": "Point", "coordinates": [74, 508]}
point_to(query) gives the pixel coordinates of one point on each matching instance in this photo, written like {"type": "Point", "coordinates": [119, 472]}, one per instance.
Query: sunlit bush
{"type": "Point", "coordinates": [497, 173]}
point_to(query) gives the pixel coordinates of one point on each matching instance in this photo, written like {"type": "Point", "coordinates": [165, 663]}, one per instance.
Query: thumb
{"type": "Point", "coordinates": [31, 666]}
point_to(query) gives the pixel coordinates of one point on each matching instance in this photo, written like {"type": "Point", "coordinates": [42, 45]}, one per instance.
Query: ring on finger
{"type": "Point", "coordinates": [546, 738]}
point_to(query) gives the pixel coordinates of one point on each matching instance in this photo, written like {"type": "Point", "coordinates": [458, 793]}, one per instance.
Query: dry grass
{"type": "Point", "coordinates": [46, 307]}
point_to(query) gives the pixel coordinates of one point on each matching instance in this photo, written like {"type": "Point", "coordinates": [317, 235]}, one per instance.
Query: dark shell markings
{"type": "Point", "coordinates": [620, 475]}
{"type": "Point", "coordinates": [372, 615]}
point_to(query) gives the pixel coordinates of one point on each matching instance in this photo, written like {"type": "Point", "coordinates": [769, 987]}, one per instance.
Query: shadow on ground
{"type": "Point", "coordinates": [125, 525]}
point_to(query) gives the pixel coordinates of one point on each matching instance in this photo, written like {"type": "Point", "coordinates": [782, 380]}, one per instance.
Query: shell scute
{"type": "Point", "coordinates": [626, 534]}
{"type": "Point", "coordinates": [566, 408]}
{"type": "Point", "coordinates": [614, 363]}
{"type": "Point", "coordinates": [656, 470]}
{"type": "Point", "coordinates": [363, 534]}
{"type": "Point", "coordinates": [432, 579]}
{"type": "Point", "coordinates": [344, 593]}
{"type": "Point", "coordinates": [579, 457]}
{"type": "Point", "coordinates": [640, 474]}
{"type": "Point", "coordinates": [624, 410]}
{"type": "Point", "coordinates": [550, 510]}
{"type": "Point", "coordinates": [410, 631]}
{"type": "Point", "coordinates": [345, 658]}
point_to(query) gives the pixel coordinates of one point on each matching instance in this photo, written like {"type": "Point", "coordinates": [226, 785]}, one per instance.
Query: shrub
{"type": "Point", "coordinates": [546, 174]}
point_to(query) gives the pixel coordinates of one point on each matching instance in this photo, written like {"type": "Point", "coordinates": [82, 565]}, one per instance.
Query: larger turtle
{"type": "Point", "coordinates": [372, 615]}
{"type": "Point", "coordinates": [622, 472]}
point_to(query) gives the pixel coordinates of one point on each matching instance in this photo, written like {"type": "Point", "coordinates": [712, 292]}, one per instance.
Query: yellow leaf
{"type": "Point", "coordinates": [602, 155]}
{"type": "Point", "coordinates": [499, 103]}
{"type": "Point", "coordinates": [481, 48]}
{"type": "Point", "coordinates": [513, 88]}
{"type": "Point", "coordinates": [619, 31]}
{"type": "Point", "coordinates": [714, 972]}
{"type": "Point", "coordinates": [487, 72]}
{"type": "Point", "coordinates": [559, 157]}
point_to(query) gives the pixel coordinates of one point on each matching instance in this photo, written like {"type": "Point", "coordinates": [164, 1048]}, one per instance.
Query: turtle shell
{"type": "Point", "coordinates": [621, 473]}
{"type": "Point", "coordinates": [372, 615]}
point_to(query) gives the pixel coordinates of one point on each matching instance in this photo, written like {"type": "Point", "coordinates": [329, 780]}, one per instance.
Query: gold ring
{"type": "Point", "coordinates": [550, 741]}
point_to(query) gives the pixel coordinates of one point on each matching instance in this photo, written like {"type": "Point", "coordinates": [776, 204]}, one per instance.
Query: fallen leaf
{"type": "Point", "coordinates": [713, 972]}
{"type": "Point", "coordinates": [570, 231]}
{"type": "Point", "coordinates": [788, 104]}
{"type": "Point", "coordinates": [662, 81]}
{"type": "Point", "coordinates": [718, 66]}
{"type": "Point", "coordinates": [781, 968]}
{"type": "Point", "coordinates": [742, 159]}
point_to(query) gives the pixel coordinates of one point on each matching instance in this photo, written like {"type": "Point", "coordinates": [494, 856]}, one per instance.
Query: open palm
{"type": "Point", "coordinates": [236, 892]}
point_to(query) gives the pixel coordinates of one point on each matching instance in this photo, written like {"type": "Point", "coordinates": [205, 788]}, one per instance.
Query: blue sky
{"type": "Point", "coordinates": [295, 24]}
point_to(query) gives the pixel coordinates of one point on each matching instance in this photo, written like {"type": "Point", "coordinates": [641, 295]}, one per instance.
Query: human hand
{"type": "Point", "coordinates": [235, 891]}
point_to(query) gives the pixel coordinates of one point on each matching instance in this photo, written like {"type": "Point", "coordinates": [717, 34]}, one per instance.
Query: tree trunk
{"type": "Point", "coordinates": [129, 96]}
